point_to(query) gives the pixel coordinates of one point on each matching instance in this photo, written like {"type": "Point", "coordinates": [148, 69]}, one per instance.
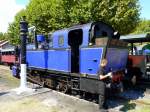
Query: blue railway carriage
{"type": "Point", "coordinates": [71, 61]}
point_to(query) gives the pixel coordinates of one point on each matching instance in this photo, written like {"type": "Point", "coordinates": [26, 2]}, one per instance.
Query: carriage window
{"type": "Point", "coordinates": [61, 40]}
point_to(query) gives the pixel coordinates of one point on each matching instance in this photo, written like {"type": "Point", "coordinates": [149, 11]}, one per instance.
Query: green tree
{"type": "Point", "coordinates": [3, 36]}
{"type": "Point", "coordinates": [77, 11]}
{"type": "Point", "coordinates": [142, 27]}
{"type": "Point", "coordinates": [43, 14]}
{"type": "Point", "coordinates": [51, 15]}
{"type": "Point", "coordinates": [121, 14]}
{"type": "Point", "coordinates": [55, 14]}
{"type": "Point", "coordinates": [14, 28]}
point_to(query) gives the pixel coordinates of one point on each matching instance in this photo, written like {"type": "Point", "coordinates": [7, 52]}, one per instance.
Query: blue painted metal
{"type": "Point", "coordinates": [146, 52]}
{"type": "Point", "coordinates": [90, 59]}
{"type": "Point", "coordinates": [40, 38]}
{"type": "Point", "coordinates": [64, 33]}
{"type": "Point", "coordinates": [50, 59]}
{"type": "Point", "coordinates": [117, 59]}
{"type": "Point", "coordinates": [36, 59]}
{"type": "Point", "coordinates": [86, 35]}
{"type": "Point", "coordinates": [60, 34]}
{"type": "Point", "coordinates": [59, 60]}
{"type": "Point", "coordinates": [15, 71]}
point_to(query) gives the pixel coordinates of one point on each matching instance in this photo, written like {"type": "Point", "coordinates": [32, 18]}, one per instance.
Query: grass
{"type": "Point", "coordinates": [143, 108]}
{"type": "Point", "coordinates": [24, 105]}
{"type": "Point", "coordinates": [133, 106]}
{"type": "Point", "coordinates": [7, 79]}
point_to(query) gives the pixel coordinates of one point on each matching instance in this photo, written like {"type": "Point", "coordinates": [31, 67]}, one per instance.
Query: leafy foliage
{"type": "Point", "coordinates": [51, 15]}
{"type": "Point", "coordinates": [121, 14]}
{"type": "Point", "coordinates": [13, 30]}
{"type": "Point", "coordinates": [3, 36]}
{"type": "Point", "coordinates": [143, 27]}
{"type": "Point", "coordinates": [46, 15]}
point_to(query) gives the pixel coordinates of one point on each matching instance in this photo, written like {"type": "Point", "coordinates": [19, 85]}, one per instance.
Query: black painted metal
{"type": "Point", "coordinates": [35, 40]}
{"type": "Point", "coordinates": [23, 36]}
{"type": "Point", "coordinates": [91, 85]}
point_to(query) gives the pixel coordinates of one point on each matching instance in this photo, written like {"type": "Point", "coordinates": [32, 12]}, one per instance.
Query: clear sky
{"type": "Point", "coordinates": [9, 8]}
{"type": "Point", "coordinates": [22, 2]}
{"type": "Point", "coordinates": [145, 11]}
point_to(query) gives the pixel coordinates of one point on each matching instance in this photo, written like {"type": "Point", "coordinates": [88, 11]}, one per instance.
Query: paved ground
{"type": "Point", "coordinates": [47, 100]}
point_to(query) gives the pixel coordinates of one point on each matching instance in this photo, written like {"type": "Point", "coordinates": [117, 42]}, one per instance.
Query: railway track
{"type": "Point", "coordinates": [143, 88]}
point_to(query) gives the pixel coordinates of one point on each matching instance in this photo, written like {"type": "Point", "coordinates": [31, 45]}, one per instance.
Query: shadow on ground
{"type": "Point", "coordinates": [3, 93]}
{"type": "Point", "coordinates": [122, 101]}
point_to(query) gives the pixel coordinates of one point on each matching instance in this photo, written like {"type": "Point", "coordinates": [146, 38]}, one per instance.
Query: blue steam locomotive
{"type": "Point", "coordinates": [70, 61]}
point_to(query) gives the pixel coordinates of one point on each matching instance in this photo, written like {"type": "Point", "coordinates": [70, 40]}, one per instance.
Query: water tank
{"type": "Point", "coordinates": [40, 38]}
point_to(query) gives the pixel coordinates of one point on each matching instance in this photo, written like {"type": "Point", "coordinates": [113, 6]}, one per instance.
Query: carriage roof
{"type": "Point", "coordinates": [8, 50]}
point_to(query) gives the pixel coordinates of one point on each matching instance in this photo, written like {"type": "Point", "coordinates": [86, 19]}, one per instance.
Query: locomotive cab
{"type": "Point", "coordinates": [103, 41]}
